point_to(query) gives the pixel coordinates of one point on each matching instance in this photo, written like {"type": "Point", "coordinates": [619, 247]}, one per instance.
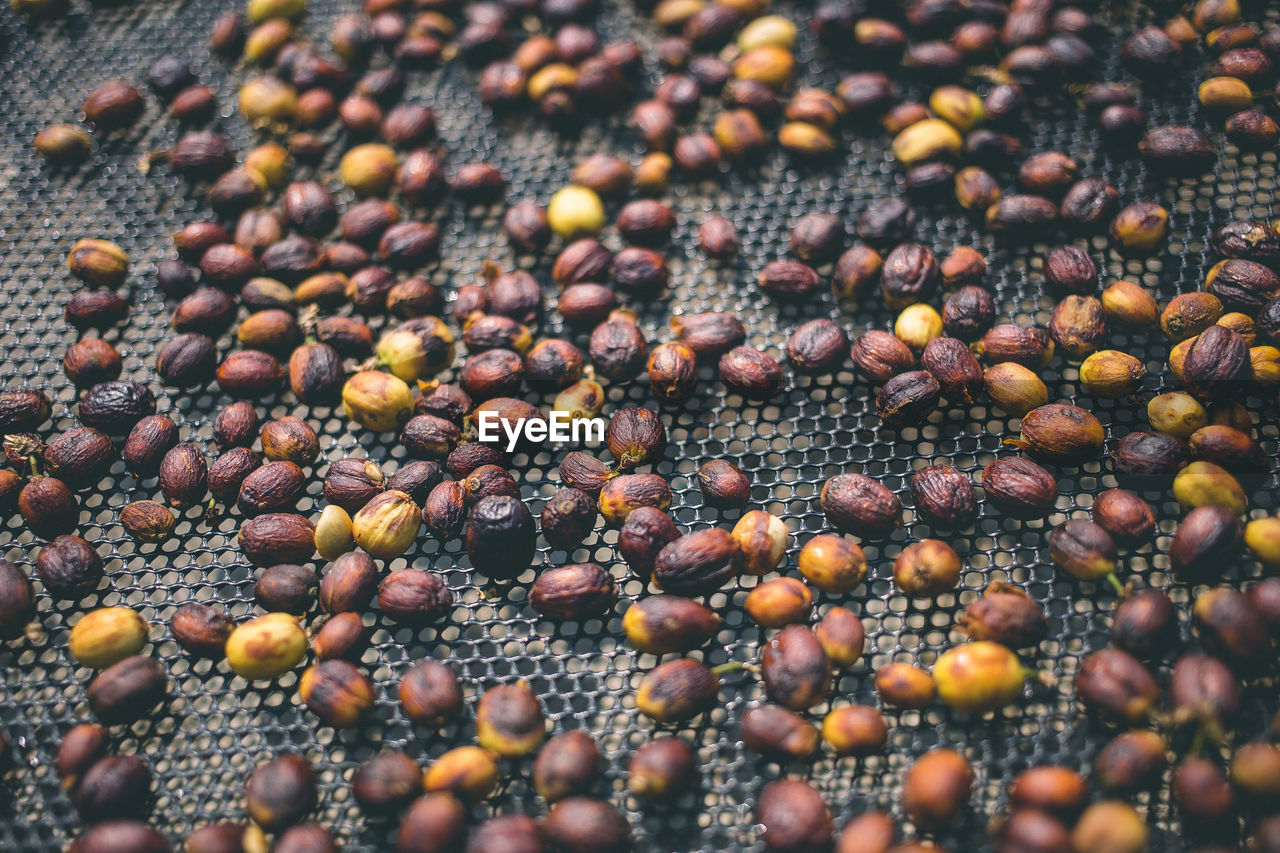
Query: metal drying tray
{"type": "Point", "coordinates": [217, 727]}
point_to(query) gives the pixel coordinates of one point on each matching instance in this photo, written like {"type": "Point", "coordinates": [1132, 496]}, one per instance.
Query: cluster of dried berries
{"type": "Point", "coordinates": [430, 805]}
{"type": "Point", "coordinates": [317, 277]}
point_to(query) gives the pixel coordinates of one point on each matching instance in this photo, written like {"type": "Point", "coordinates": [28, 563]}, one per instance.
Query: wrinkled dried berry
{"type": "Point", "coordinates": [788, 280]}
{"type": "Point", "coordinates": [567, 765]}
{"type": "Point", "coordinates": [114, 787]}
{"type": "Point", "coordinates": [1062, 433]}
{"type": "Point", "coordinates": [1128, 518]}
{"type": "Point", "coordinates": [953, 367]}
{"type": "Point", "coordinates": [662, 624]}
{"type": "Point", "coordinates": [910, 274]}
{"type": "Point", "coordinates": [943, 496]}
{"type": "Point", "coordinates": [336, 692]}
{"type": "Point", "coordinates": [509, 720]}
{"type": "Point", "coordinates": [200, 629]}
{"type": "Point", "coordinates": [128, 690]}
{"type": "Point", "coordinates": [723, 484]}
{"type": "Point", "coordinates": [618, 348]}
{"type": "Point", "coordinates": [1207, 540]}
{"type": "Point", "coordinates": [500, 536]}
{"type": "Point", "coordinates": [68, 566]}
{"type": "Point", "coordinates": [1131, 762]}
{"type": "Point", "coordinates": [48, 506]}
{"type": "Point", "coordinates": [1116, 686]}
{"type": "Point", "coordinates": [778, 733]}
{"type": "Point", "coordinates": [1204, 690]}
{"type": "Point", "coordinates": [430, 694]}
{"type": "Point", "coordinates": [25, 409]}
{"type": "Point", "coordinates": [795, 668]}
{"type": "Point", "coordinates": [114, 407]}
{"type": "Point", "coordinates": [130, 836]}
{"type": "Point", "coordinates": [147, 521]}
{"type": "Point", "coordinates": [17, 600]}
{"type": "Point", "coordinates": [817, 346]}
{"type": "Point", "coordinates": [1145, 624]}
{"type": "Point", "coordinates": [857, 504]}
{"type": "Point", "coordinates": [1005, 614]}
{"type": "Point", "coordinates": [1232, 628]}
{"type": "Point", "coordinates": [572, 592]}
{"type": "Point", "coordinates": [907, 399]}
{"type": "Point", "coordinates": [280, 792]}
{"type": "Point", "coordinates": [698, 563]}
{"type": "Point", "coordinates": [1089, 205]}
{"type": "Point", "coordinates": [636, 436]}
{"type": "Point", "coordinates": [881, 356]}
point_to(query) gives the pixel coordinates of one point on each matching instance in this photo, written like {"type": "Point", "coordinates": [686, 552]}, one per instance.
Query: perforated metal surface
{"type": "Point", "coordinates": [216, 727]}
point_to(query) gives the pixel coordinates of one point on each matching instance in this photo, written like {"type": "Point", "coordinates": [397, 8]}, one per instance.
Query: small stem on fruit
{"type": "Point", "coordinates": [1197, 743]}
{"type": "Point", "coordinates": [731, 666]}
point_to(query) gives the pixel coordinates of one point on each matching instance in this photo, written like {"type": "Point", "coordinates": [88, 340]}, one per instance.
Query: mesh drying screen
{"type": "Point", "coordinates": [216, 727]}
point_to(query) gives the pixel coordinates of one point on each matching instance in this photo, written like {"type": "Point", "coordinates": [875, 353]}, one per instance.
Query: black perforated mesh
{"type": "Point", "coordinates": [216, 727]}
